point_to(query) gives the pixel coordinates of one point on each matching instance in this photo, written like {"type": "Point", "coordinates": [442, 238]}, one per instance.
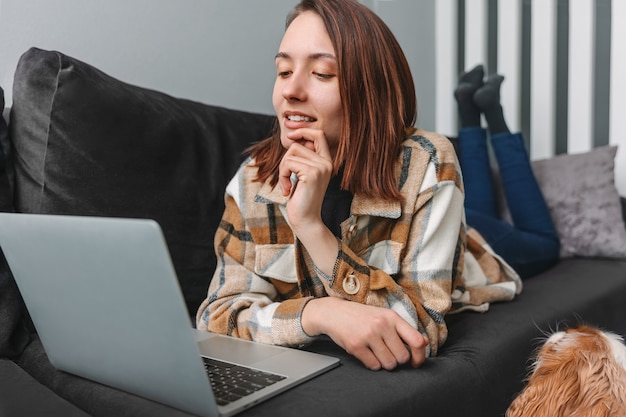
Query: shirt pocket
{"type": "Point", "coordinates": [384, 255]}
{"type": "Point", "coordinates": [276, 261]}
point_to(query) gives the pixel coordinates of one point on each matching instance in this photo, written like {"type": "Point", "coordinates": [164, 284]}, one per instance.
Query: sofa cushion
{"type": "Point", "coordinates": [584, 203]}
{"type": "Point", "coordinates": [6, 196]}
{"type": "Point", "coordinates": [13, 334]}
{"type": "Point", "coordinates": [98, 400]}
{"type": "Point", "coordinates": [23, 395]}
{"type": "Point", "coordinates": [14, 331]}
{"type": "Point", "coordinates": [88, 144]}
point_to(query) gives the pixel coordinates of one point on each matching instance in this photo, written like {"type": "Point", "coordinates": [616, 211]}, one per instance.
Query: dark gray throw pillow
{"type": "Point", "coordinates": [14, 335]}
{"type": "Point", "coordinates": [6, 196]}
{"type": "Point", "coordinates": [88, 144]}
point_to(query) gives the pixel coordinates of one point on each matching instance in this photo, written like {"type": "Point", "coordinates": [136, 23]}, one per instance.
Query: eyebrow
{"type": "Point", "coordinates": [314, 56]}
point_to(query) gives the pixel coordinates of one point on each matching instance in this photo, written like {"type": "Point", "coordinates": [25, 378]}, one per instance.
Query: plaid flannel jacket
{"type": "Point", "coordinates": [401, 255]}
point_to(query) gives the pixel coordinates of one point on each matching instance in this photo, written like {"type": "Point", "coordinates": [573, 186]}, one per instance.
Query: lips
{"type": "Point", "coordinates": [299, 118]}
{"type": "Point", "coordinates": [295, 120]}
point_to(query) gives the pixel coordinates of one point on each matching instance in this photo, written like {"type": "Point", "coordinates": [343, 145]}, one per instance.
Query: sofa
{"type": "Point", "coordinates": [78, 141]}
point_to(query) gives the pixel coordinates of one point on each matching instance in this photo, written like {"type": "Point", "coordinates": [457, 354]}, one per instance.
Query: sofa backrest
{"type": "Point", "coordinates": [14, 335]}
{"type": "Point", "coordinates": [85, 143]}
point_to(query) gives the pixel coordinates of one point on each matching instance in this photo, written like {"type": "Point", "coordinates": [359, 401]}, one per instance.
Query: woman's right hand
{"type": "Point", "coordinates": [377, 336]}
{"type": "Point", "coordinates": [309, 159]}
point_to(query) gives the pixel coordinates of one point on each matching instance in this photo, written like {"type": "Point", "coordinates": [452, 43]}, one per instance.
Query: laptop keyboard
{"type": "Point", "coordinates": [231, 382]}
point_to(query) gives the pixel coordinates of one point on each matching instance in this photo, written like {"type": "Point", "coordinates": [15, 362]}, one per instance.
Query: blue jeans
{"type": "Point", "coordinates": [530, 244]}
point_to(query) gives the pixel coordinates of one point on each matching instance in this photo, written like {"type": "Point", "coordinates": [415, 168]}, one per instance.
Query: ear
{"type": "Point", "coordinates": [543, 396]}
{"type": "Point", "coordinates": [604, 381]}
{"type": "Point", "coordinates": [528, 403]}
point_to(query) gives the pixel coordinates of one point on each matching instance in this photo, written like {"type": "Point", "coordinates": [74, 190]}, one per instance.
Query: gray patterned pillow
{"type": "Point", "coordinates": [584, 203]}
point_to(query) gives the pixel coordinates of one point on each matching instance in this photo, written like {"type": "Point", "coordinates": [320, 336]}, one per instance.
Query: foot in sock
{"type": "Point", "coordinates": [469, 83]}
{"type": "Point", "coordinates": [488, 95]}
{"type": "Point", "coordinates": [487, 100]}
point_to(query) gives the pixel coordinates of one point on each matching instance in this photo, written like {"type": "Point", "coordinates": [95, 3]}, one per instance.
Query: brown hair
{"type": "Point", "coordinates": [377, 99]}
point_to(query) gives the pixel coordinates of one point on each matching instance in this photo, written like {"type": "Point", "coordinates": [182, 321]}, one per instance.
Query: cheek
{"type": "Point", "coordinates": [332, 110]}
{"type": "Point", "coordinates": [283, 139]}
{"type": "Point", "coordinates": [334, 119]}
{"type": "Point", "coordinates": [276, 97]}
{"type": "Point", "coordinates": [333, 101]}
{"type": "Point", "coordinates": [276, 103]}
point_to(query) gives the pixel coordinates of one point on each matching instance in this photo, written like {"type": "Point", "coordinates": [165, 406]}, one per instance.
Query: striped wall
{"type": "Point", "coordinates": [564, 63]}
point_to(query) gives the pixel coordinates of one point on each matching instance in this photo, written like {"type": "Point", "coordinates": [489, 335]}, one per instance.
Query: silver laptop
{"type": "Point", "coordinates": [104, 297]}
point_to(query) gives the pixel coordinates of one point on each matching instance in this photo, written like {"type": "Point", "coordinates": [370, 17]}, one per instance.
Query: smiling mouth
{"type": "Point", "coordinates": [299, 118]}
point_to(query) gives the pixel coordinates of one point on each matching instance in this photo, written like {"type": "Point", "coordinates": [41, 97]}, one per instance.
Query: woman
{"type": "Point", "coordinates": [530, 243]}
{"type": "Point", "coordinates": [348, 221]}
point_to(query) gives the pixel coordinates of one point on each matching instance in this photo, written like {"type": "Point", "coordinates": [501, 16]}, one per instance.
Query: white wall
{"type": "Point", "coordinates": [214, 51]}
{"type": "Point", "coordinates": [413, 25]}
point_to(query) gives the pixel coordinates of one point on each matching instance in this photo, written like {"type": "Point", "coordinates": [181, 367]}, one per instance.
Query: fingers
{"type": "Point", "coordinates": [312, 139]}
{"type": "Point", "coordinates": [367, 358]}
{"type": "Point", "coordinates": [292, 164]}
{"type": "Point", "coordinates": [414, 343]}
{"type": "Point", "coordinates": [399, 345]}
{"type": "Point", "coordinates": [308, 157]}
{"type": "Point", "coordinates": [418, 355]}
{"type": "Point", "coordinates": [389, 356]}
{"type": "Point", "coordinates": [377, 355]}
{"type": "Point", "coordinates": [306, 169]}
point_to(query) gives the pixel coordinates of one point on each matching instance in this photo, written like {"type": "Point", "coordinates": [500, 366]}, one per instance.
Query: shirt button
{"type": "Point", "coordinates": [351, 284]}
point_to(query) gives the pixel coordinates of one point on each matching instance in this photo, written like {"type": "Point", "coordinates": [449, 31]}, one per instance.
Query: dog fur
{"type": "Point", "coordinates": [579, 372]}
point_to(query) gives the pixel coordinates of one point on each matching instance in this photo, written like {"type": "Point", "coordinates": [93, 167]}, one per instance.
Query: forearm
{"type": "Point", "coordinates": [321, 244]}
{"type": "Point", "coordinates": [253, 316]}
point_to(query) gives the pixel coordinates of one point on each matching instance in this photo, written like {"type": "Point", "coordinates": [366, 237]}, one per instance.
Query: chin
{"type": "Point", "coordinates": [579, 372]}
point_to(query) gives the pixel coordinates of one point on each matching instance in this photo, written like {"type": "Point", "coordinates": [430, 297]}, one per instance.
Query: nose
{"type": "Point", "coordinates": [294, 87]}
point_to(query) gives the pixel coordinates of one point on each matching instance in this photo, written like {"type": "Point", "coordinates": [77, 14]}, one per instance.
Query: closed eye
{"type": "Point", "coordinates": [323, 76]}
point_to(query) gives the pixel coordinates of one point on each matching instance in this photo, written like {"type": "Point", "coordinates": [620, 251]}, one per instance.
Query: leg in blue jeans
{"type": "Point", "coordinates": [530, 244]}
{"type": "Point", "coordinates": [479, 194]}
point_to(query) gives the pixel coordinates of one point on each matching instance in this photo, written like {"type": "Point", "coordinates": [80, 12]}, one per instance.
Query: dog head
{"type": "Point", "coordinates": [578, 372]}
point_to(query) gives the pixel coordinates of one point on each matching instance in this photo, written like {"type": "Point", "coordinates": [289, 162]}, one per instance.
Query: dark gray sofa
{"type": "Point", "coordinates": [81, 142]}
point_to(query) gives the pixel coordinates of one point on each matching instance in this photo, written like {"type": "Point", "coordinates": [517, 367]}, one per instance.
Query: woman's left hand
{"type": "Point", "coordinates": [377, 336]}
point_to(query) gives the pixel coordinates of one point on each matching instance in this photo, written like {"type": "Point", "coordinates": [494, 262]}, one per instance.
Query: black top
{"type": "Point", "coordinates": [336, 205]}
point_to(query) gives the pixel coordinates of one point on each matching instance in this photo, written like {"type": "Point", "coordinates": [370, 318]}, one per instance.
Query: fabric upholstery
{"type": "Point", "coordinates": [23, 395]}
{"type": "Point", "coordinates": [94, 398]}
{"type": "Point", "coordinates": [6, 196]}
{"type": "Point", "coordinates": [583, 200]}
{"type": "Point", "coordinates": [13, 334]}
{"type": "Point", "coordinates": [88, 144]}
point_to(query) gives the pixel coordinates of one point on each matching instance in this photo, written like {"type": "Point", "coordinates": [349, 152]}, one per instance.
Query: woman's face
{"type": "Point", "coordinates": [306, 91]}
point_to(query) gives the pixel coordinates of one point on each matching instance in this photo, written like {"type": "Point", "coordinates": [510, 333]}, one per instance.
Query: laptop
{"type": "Point", "coordinates": [106, 303]}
